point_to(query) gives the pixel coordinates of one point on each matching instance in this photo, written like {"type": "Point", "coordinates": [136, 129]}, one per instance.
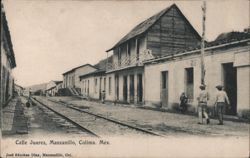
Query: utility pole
{"type": "Point", "coordinates": [203, 71]}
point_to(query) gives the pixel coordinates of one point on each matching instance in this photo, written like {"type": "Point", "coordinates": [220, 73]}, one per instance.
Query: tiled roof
{"type": "Point", "coordinates": [58, 82]}
{"type": "Point", "coordinates": [97, 72]}
{"type": "Point", "coordinates": [102, 64]}
{"type": "Point", "coordinates": [224, 38]}
{"type": "Point", "coordinates": [229, 37]}
{"type": "Point", "coordinates": [78, 68]}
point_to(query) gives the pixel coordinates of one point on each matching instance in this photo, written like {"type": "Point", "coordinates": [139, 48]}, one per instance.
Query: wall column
{"type": "Point", "coordinates": [128, 88]}
{"type": "Point", "coordinates": [243, 85]}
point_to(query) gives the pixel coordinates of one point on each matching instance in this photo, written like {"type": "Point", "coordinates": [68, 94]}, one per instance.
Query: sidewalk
{"type": "Point", "coordinates": [164, 123]}
{"type": "Point", "coordinates": [14, 120]}
{"type": "Point", "coordinates": [33, 122]}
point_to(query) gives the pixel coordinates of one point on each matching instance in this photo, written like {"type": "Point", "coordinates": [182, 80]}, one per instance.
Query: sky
{"type": "Point", "coordinates": [53, 36]}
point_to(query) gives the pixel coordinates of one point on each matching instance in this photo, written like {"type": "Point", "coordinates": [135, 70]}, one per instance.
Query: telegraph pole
{"type": "Point", "coordinates": [203, 71]}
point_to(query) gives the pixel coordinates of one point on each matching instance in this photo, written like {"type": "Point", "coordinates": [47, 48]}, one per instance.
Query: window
{"type": "Point", "coordinates": [109, 85]}
{"type": "Point", "coordinates": [164, 79]}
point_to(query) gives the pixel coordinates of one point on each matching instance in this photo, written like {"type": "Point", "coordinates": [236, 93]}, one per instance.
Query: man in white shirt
{"type": "Point", "coordinates": [221, 99]}
{"type": "Point", "coordinates": [202, 105]}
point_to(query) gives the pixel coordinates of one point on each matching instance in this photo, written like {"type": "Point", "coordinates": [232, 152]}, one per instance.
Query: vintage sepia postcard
{"type": "Point", "coordinates": [124, 78]}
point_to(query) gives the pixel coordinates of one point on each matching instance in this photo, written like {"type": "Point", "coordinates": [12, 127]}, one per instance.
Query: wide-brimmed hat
{"type": "Point", "coordinates": [202, 86]}
{"type": "Point", "coordinates": [219, 86]}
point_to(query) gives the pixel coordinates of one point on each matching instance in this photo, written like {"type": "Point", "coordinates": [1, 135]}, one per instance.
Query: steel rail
{"type": "Point", "coordinates": [66, 118]}
{"type": "Point", "coordinates": [109, 119]}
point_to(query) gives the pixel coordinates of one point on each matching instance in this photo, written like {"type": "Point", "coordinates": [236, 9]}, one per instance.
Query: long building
{"type": "Point", "coordinates": [92, 84]}
{"type": "Point", "coordinates": [8, 61]}
{"type": "Point", "coordinates": [227, 63]}
{"type": "Point", "coordinates": [71, 79]}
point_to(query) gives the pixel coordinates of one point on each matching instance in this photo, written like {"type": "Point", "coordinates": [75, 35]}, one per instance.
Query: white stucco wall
{"type": "Point", "coordinates": [242, 62]}
{"type": "Point", "coordinates": [72, 79]}
{"type": "Point", "coordinates": [111, 95]}
{"type": "Point", "coordinates": [82, 71]}
{"type": "Point", "coordinates": [243, 79]}
{"type": "Point", "coordinates": [214, 76]}
{"type": "Point", "coordinates": [5, 68]}
{"type": "Point", "coordinates": [94, 90]}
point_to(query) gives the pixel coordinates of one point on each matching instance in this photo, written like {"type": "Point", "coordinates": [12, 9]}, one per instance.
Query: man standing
{"type": "Point", "coordinates": [202, 105]}
{"type": "Point", "coordinates": [221, 97]}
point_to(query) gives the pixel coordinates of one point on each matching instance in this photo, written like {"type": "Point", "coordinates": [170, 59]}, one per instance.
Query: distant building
{"type": "Point", "coordinates": [227, 62]}
{"type": "Point", "coordinates": [71, 78]}
{"type": "Point", "coordinates": [92, 84]}
{"type": "Point", "coordinates": [19, 90]}
{"type": "Point", "coordinates": [165, 33]}
{"type": "Point", "coordinates": [53, 87]}
{"type": "Point", "coordinates": [7, 61]}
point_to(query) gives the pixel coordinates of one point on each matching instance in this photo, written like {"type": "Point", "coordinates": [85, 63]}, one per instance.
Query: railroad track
{"type": "Point", "coordinates": [97, 125]}
{"type": "Point", "coordinates": [66, 120]}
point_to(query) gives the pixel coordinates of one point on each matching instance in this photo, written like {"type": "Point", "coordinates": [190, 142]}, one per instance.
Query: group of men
{"type": "Point", "coordinates": [221, 101]}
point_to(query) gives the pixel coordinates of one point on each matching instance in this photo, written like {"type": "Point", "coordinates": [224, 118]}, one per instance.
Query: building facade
{"type": "Point", "coordinates": [19, 90]}
{"type": "Point", "coordinates": [53, 87]}
{"type": "Point", "coordinates": [7, 61]}
{"type": "Point", "coordinates": [165, 33]}
{"type": "Point", "coordinates": [93, 84]}
{"type": "Point", "coordinates": [71, 77]}
{"type": "Point", "coordinates": [226, 63]}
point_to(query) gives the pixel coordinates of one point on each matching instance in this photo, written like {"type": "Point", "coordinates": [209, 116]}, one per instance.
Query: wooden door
{"type": "Point", "coordinates": [164, 88]}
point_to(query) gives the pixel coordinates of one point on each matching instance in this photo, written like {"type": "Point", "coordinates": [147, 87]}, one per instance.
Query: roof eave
{"type": "Point", "coordinates": [8, 38]}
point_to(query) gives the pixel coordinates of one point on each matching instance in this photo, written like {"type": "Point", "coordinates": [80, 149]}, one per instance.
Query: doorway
{"type": "Point", "coordinates": [164, 88]}
{"type": "Point", "coordinates": [189, 83]}
{"type": "Point", "coordinates": [104, 88]}
{"type": "Point", "coordinates": [100, 89]}
{"type": "Point", "coordinates": [117, 87]}
{"type": "Point", "coordinates": [131, 88]}
{"type": "Point", "coordinates": [88, 89]}
{"type": "Point", "coordinates": [230, 87]}
{"type": "Point", "coordinates": [125, 89]}
{"type": "Point", "coordinates": [139, 88]}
